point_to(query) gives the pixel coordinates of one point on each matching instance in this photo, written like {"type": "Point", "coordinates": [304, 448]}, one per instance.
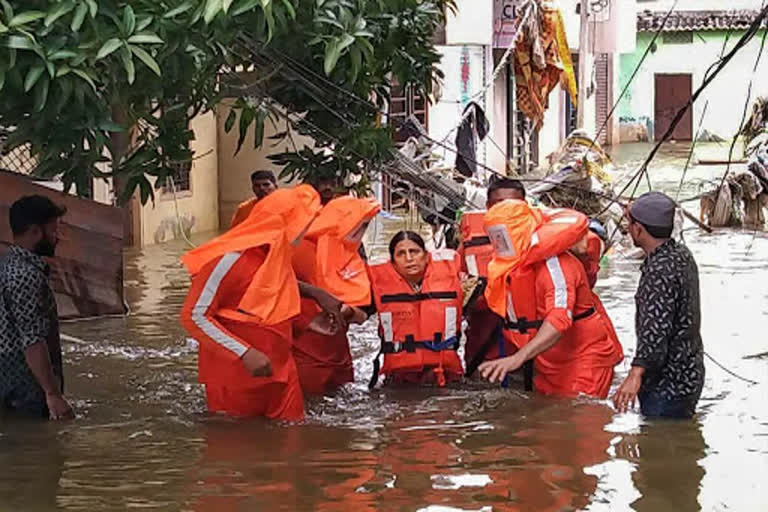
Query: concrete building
{"type": "Point", "coordinates": [696, 35]}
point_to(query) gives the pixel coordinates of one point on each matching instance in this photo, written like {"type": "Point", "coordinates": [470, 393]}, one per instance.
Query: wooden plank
{"type": "Point", "coordinates": [87, 272]}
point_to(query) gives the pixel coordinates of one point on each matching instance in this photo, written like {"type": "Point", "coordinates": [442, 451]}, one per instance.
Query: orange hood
{"type": "Point", "coordinates": [510, 226]}
{"type": "Point", "coordinates": [274, 223]}
{"type": "Point", "coordinates": [339, 269]}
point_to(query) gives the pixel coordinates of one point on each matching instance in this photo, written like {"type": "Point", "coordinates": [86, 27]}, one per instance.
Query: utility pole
{"type": "Point", "coordinates": [585, 62]}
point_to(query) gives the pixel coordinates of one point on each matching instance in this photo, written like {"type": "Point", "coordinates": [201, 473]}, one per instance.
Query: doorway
{"type": "Point", "coordinates": [673, 92]}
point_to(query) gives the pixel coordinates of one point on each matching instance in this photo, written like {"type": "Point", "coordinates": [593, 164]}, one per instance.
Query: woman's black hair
{"type": "Point", "coordinates": [405, 235]}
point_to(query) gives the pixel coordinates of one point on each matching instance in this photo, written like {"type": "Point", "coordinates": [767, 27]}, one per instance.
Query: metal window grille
{"type": "Point", "coordinates": [18, 160]}
{"type": "Point", "coordinates": [182, 178]}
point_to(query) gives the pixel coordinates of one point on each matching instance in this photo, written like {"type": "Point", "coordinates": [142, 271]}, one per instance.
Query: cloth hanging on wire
{"type": "Point", "coordinates": [473, 129]}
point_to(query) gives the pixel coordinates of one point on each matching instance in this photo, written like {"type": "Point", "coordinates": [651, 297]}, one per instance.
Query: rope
{"type": "Point", "coordinates": [729, 372]}
{"type": "Point", "coordinates": [178, 215]}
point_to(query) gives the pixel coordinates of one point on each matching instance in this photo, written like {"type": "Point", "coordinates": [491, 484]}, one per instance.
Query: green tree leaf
{"type": "Point", "coordinates": [85, 76]}
{"type": "Point", "coordinates": [145, 38]}
{"type": "Point", "coordinates": [41, 94]}
{"type": "Point", "coordinates": [19, 43]}
{"type": "Point", "coordinates": [2, 79]}
{"type": "Point", "coordinates": [61, 9]}
{"type": "Point", "coordinates": [130, 68]}
{"type": "Point", "coordinates": [143, 22]}
{"type": "Point", "coordinates": [246, 118]}
{"type": "Point", "coordinates": [79, 17]}
{"type": "Point", "coordinates": [129, 20]}
{"type": "Point", "coordinates": [25, 18]}
{"type": "Point", "coordinates": [108, 48]}
{"type": "Point", "coordinates": [230, 122]}
{"type": "Point", "coordinates": [62, 54]}
{"type": "Point", "coordinates": [290, 8]}
{"type": "Point", "coordinates": [258, 128]}
{"type": "Point", "coordinates": [212, 8]}
{"type": "Point", "coordinates": [147, 59]}
{"type": "Point", "coordinates": [33, 75]}
{"type": "Point", "coordinates": [332, 54]}
{"type": "Point", "coordinates": [3, 28]}
{"type": "Point", "coordinates": [226, 4]}
{"type": "Point", "coordinates": [181, 9]}
{"type": "Point", "coordinates": [93, 7]}
{"type": "Point", "coordinates": [244, 6]}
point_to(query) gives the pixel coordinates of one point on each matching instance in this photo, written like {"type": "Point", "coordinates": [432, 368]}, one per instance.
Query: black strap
{"type": "Point", "coordinates": [528, 375]}
{"type": "Point", "coordinates": [480, 355]}
{"type": "Point", "coordinates": [417, 297]}
{"type": "Point", "coordinates": [409, 345]}
{"type": "Point", "coordinates": [523, 325]}
{"type": "Point", "coordinates": [477, 242]}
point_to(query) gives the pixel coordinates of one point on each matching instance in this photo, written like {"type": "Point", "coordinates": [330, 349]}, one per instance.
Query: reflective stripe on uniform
{"type": "Point", "coordinates": [558, 281]}
{"type": "Point", "coordinates": [206, 299]}
{"type": "Point", "coordinates": [450, 322]}
{"type": "Point", "coordinates": [386, 325]}
{"type": "Point", "coordinates": [472, 265]}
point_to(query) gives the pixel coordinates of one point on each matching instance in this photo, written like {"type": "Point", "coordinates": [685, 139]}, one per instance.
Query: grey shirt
{"type": "Point", "coordinates": [668, 324]}
{"type": "Point", "coordinates": [27, 315]}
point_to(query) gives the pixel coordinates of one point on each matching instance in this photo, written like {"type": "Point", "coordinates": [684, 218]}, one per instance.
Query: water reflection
{"type": "Point", "coordinates": [143, 440]}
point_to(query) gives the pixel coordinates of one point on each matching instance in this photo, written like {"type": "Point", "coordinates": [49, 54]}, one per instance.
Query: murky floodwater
{"type": "Point", "coordinates": [143, 441]}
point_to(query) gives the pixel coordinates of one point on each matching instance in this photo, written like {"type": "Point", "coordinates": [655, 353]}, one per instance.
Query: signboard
{"type": "Point", "coordinates": [504, 21]}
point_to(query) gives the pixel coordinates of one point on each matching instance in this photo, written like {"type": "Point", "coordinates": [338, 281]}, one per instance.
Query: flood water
{"type": "Point", "coordinates": [142, 438]}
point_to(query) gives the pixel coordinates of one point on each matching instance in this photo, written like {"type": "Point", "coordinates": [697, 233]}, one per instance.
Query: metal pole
{"type": "Point", "coordinates": [584, 62]}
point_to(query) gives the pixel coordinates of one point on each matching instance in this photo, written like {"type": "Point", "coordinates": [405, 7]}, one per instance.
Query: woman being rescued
{"type": "Point", "coordinates": [328, 257]}
{"type": "Point", "coordinates": [542, 291]}
{"type": "Point", "coordinates": [418, 298]}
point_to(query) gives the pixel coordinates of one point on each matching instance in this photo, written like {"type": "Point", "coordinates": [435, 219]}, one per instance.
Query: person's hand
{"type": "Point", "coordinates": [257, 363]}
{"type": "Point", "coordinates": [332, 306]}
{"type": "Point", "coordinates": [347, 313]}
{"type": "Point", "coordinates": [626, 396]}
{"type": "Point", "coordinates": [496, 370]}
{"type": "Point", "coordinates": [58, 407]}
{"type": "Point", "coordinates": [323, 324]}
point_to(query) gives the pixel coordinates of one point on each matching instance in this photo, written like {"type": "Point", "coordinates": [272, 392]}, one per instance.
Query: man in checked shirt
{"type": "Point", "coordinates": [667, 373]}
{"type": "Point", "coordinates": [31, 377]}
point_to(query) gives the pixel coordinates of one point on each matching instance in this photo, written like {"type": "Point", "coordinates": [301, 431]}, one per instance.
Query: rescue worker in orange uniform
{"type": "Point", "coordinates": [476, 252]}
{"type": "Point", "coordinates": [263, 183]}
{"type": "Point", "coordinates": [241, 305]}
{"type": "Point", "coordinates": [418, 297]}
{"type": "Point", "coordinates": [541, 290]}
{"type": "Point", "coordinates": [328, 258]}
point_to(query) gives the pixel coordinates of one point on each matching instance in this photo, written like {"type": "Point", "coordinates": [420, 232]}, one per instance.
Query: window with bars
{"type": "Point", "coordinates": [678, 37]}
{"type": "Point", "coordinates": [404, 102]}
{"type": "Point", "coordinates": [182, 178]}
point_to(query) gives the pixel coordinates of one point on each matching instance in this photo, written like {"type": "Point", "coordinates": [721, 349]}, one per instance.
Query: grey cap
{"type": "Point", "coordinates": [654, 209]}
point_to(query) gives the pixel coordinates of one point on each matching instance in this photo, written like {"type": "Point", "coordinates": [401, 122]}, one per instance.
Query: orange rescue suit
{"type": "Point", "coordinates": [244, 295]}
{"type": "Point", "coordinates": [243, 211]}
{"type": "Point", "coordinates": [420, 330]}
{"type": "Point", "coordinates": [328, 258]}
{"type": "Point", "coordinates": [476, 252]}
{"type": "Point", "coordinates": [533, 279]}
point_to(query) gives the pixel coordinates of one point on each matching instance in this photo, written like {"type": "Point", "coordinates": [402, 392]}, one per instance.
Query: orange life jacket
{"type": "Point", "coordinates": [419, 330]}
{"type": "Point", "coordinates": [475, 250]}
{"type": "Point", "coordinates": [523, 236]}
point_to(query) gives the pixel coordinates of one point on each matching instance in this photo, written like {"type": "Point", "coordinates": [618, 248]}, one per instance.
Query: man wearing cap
{"type": "Point", "coordinates": [263, 183]}
{"type": "Point", "coordinates": [667, 373]}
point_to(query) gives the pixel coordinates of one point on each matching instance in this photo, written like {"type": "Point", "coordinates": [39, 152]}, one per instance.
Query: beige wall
{"type": "Point", "coordinates": [198, 208]}
{"type": "Point", "coordinates": [234, 183]}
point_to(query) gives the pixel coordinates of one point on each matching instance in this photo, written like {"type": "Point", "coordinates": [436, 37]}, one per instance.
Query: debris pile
{"type": "Point", "coordinates": [742, 198]}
